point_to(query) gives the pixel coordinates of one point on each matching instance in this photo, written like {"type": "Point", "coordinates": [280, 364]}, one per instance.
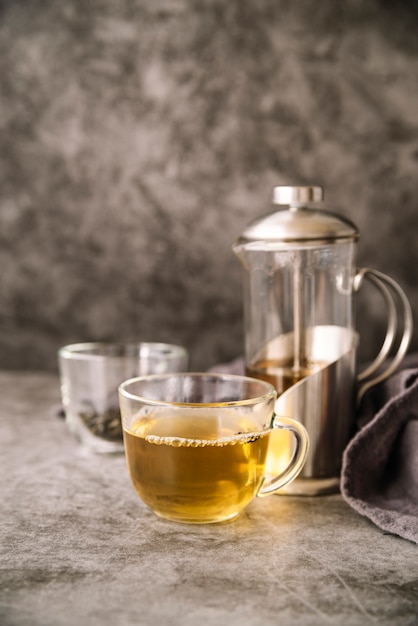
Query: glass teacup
{"type": "Point", "coordinates": [90, 376]}
{"type": "Point", "coordinates": [196, 444]}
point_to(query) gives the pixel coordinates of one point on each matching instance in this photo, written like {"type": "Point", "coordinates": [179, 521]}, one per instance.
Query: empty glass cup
{"type": "Point", "coordinates": [90, 376]}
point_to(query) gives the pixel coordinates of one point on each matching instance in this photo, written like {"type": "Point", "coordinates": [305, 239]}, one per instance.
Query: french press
{"type": "Point", "coordinates": [300, 331]}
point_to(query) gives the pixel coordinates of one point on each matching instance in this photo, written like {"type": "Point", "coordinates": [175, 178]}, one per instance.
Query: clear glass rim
{"type": "Point", "coordinates": [268, 394]}
{"type": "Point", "coordinates": [96, 350]}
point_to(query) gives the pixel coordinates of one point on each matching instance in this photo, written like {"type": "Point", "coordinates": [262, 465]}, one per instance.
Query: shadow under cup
{"type": "Point", "coordinates": [196, 444]}
{"type": "Point", "coordinates": [90, 375]}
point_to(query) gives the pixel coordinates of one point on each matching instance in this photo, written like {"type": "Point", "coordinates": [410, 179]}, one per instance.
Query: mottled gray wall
{"type": "Point", "coordinates": [138, 137]}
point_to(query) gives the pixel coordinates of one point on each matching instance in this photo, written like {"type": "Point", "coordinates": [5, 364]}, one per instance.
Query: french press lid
{"type": "Point", "coordinates": [299, 220]}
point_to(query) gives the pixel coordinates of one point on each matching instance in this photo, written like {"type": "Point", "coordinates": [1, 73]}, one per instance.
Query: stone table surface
{"type": "Point", "coordinates": [79, 547]}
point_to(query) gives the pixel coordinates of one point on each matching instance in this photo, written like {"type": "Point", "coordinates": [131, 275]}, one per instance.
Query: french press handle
{"type": "Point", "coordinates": [398, 306]}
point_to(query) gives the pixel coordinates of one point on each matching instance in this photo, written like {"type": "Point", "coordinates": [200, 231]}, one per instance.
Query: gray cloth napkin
{"type": "Point", "coordinates": [379, 476]}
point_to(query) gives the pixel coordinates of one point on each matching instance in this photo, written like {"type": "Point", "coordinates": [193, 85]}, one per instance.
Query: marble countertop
{"type": "Point", "coordinates": [78, 547]}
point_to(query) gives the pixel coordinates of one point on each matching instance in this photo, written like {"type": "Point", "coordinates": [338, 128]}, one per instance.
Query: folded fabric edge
{"type": "Point", "coordinates": [390, 520]}
{"type": "Point", "coordinates": [401, 525]}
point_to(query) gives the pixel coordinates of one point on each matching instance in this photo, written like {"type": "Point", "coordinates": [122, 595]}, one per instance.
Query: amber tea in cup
{"type": "Point", "coordinates": [196, 444]}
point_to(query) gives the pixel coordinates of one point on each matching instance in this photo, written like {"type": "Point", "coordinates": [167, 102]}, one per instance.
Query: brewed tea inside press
{"type": "Point", "coordinates": [299, 281]}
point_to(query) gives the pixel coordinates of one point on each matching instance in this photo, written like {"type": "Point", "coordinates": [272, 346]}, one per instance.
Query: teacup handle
{"type": "Point", "coordinates": [390, 289]}
{"type": "Point", "coordinates": [297, 461]}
